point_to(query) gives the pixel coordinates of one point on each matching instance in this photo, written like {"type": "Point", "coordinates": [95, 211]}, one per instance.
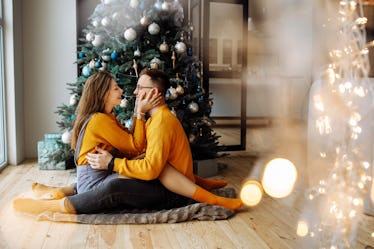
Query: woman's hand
{"type": "Point", "coordinates": [147, 101]}
{"type": "Point", "coordinates": [100, 160]}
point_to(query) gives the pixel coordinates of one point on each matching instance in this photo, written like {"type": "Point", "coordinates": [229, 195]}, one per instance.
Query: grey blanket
{"type": "Point", "coordinates": [196, 211]}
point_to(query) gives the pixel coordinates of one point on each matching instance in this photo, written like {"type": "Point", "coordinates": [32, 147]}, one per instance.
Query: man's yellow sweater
{"type": "Point", "coordinates": [166, 142]}
{"type": "Point", "coordinates": [104, 130]}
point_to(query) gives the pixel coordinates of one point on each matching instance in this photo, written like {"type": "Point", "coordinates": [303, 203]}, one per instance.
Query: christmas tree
{"type": "Point", "coordinates": [125, 36]}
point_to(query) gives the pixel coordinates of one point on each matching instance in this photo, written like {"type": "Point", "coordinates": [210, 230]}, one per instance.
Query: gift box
{"type": "Point", "coordinates": [46, 148]}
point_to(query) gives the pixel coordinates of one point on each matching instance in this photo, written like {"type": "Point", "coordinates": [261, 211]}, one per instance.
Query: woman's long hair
{"type": "Point", "coordinates": [92, 100]}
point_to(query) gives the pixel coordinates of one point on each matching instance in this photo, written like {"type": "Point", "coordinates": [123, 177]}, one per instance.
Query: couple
{"type": "Point", "coordinates": [162, 179]}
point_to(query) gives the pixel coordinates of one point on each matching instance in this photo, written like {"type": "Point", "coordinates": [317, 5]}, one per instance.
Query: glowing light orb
{"type": "Point", "coordinates": [302, 228]}
{"type": "Point", "coordinates": [279, 177]}
{"type": "Point", "coordinates": [251, 193]}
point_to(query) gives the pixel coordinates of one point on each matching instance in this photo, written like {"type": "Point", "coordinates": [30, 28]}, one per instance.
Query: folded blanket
{"type": "Point", "coordinates": [196, 211]}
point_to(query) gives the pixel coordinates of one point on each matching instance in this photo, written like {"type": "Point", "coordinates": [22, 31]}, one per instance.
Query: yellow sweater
{"type": "Point", "coordinates": [166, 142]}
{"type": "Point", "coordinates": [105, 131]}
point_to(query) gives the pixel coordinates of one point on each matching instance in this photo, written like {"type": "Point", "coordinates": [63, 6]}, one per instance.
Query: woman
{"type": "Point", "coordinates": [90, 136]}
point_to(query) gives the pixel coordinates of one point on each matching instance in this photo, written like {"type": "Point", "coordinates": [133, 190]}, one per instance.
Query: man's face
{"type": "Point", "coordinates": [144, 85]}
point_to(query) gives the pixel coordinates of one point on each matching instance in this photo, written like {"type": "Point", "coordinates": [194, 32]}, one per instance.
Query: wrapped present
{"type": "Point", "coordinates": [45, 148]}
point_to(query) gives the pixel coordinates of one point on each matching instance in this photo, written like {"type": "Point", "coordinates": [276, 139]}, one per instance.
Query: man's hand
{"type": "Point", "coordinates": [100, 160]}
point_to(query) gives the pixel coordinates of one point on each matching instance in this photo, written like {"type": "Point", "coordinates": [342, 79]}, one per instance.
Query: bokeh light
{"type": "Point", "coordinates": [302, 228]}
{"type": "Point", "coordinates": [279, 177]}
{"type": "Point", "coordinates": [251, 193]}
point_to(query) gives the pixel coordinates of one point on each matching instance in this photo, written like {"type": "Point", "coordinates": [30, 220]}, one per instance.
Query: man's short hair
{"type": "Point", "coordinates": [159, 79]}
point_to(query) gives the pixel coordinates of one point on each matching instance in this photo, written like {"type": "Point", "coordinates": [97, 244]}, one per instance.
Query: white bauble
{"type": "Point", "coordinates": [124, 103]}
{"type": "Point", "coordinates": [105, 21]}
{"type": "Point", "coordinates": [116, 16]}
{"type": "Point", "coordinates": [103, 66]}
{"type": "Point", "coordinates": [130, 34]}
{"type": "Point", "coordinates": [92, 64]}
{"type": "Point", "coordinates": [144, 21]}
{"type": "Point", "coordinates": [98, 41]}
{"type": "Point", "coordinates": [73, 99]}
{"type": "Point", "coordinates": [180, 47]}
{"type": "Point", "coordinates": [95, 23]}
{"type": "Point", "coordinates": [134, 3]}
{"type": "Point", "coordinates": [137, 53]}
{"type": "Point", "coordinates": [193, 107]}
{"type": "Point", "coordinates": [90, 36]}
{"type": "Point", "coordinates": [166, 6]}
{"type": "Point", "coordinates": [173, 93]}
{"type": "Point", "coordinates": [153, 28]}
{"type": "Point", "coordinates": [155, 63]}
{"type": "Point", "coordinates": [66, 137]}
{"type": "Point", "coordinates": [106, 57]}
{"type": "Point", "coordinates": [109, 1]}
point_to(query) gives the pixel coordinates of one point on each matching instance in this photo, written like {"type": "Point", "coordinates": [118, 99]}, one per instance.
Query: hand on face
{"type": "Point", "coordinates": [145, 101]}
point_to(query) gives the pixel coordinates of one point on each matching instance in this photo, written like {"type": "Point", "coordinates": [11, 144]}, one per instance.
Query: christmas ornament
{"type": "Point", "coordinates": [179, 89]}
{"type": "Point", "coordinates": [189, 51]}
{"type": "Point", "coordinates": [105, 21]}
{"type": "Point", "coordinates": [173, 93]}
{"type": "Point", "coordinates": [109, 1]}
{"type": "Point", "coordinates": [66, 137]}
{"type": "Point", "coordinates": [193, 107]}
{"type": "Point", "coordinates": [153, 28]}
{"type": "Point", "coordinates": [98, 64]}
{"type": "Point", "coordinates": [137, 53]}
{"type": "Point", "coordinates": [124, 103]}
{"type": "Point", "coordinates": [134, 4]}
{"type": "Point", "coordinates": [130, 34]}
{"type": "Point", "coordinates": [173, 58]}
{"type": "Point", "coordinates": [114, 55]}
{"type": "Point", "coordinates": [95, 23]}
{"type": "Point", "coordinates": [116, 16]}
{"type": "Point", "coordinates": [180, 47]}
{"type": "Point", "coordinates": [192, 138]}
{"type": "Point", "coordinates": [92, 64]}
{"type": "Point", "coordinates": [103, 66]}
{"type": "Point", "coordinates": [90, 36]}
{"type": "Point", "coordinates": [158, 5]}
{"type": "Point", "coordinates": [105, 57]}
{"type": "Point", "coordinates": [164, 47]}
{"type": "Point", "coordinates": [81, 55]}
{"type": "Point", "coordinates": [144, 21]}
{"type": "Point", "coordinates": [73, 99]}
{"type": "Point", "coordinates": [155, 63]}
{"type": "Point", "coordinates": [86, 71]}
{"type": "Point", "coordinates": [135, 66]}
{"type": "Point", "coordinates": [166, 6]}
{"type": "Point", "coordinates": [98, 41]}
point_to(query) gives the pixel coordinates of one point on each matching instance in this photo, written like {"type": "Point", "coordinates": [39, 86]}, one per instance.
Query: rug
{"type": "Point", "coordinates": [196, 211]}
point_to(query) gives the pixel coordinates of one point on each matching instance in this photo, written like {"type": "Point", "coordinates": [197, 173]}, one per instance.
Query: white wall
{"type": "Point", "coordinates": [49, 45]}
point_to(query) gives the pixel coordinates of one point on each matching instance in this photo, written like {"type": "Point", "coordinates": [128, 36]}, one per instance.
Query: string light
{"type": "Point", "coordinates": [343, 109]}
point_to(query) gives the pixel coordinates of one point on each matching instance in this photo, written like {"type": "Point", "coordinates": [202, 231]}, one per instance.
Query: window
{"type": "Point", "coordinates": [3, 152]}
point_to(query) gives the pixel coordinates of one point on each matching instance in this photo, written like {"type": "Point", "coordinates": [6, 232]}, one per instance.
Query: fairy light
{"type": "Point", "coordinates": [341, 121]}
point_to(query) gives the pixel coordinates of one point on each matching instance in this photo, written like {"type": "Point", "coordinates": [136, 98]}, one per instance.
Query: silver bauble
{"type": "Point", "coordinates": [66, 137]}
{"type": "Point", "coordinates": [164, 47]}
{"type": "Point", "coordinates": [144, 21]}
{"type": "Point", "coordinates": [130, 34]}
{"type": "Point", "coordinates": [180, 47]}
{"type": "Point", "coordinates": [153, 28]}
{"type": "Point", "coordinates": [193, 107]}
{"type": "Point", "coordinates": [105, 21]}
{"type": "Point", "coordinates": [124, 103]}
{"type": "Point", "coordinates": [98, 41]}
{"type": "Point", "coordinates": [90, 36]}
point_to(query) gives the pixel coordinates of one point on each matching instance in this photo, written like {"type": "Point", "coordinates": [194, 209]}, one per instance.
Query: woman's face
{"type": "Point", "coordinates": [114, 96]}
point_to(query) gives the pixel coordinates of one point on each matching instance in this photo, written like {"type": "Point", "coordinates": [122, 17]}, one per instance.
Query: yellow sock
{"type": "Point", "coordinates": [28, 205]}
{"type": "Point", "coordinates": [208, 183]}
{"type": "Point", "coordinates": [42, 191]}
{"type": "Point", "coordinates": [202, 195]}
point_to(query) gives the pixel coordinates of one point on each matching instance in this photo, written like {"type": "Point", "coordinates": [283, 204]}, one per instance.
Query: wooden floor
{"type": "Point", "coordinates": [271, 224]}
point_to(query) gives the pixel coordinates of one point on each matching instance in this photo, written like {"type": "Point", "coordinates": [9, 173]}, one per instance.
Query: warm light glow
{"type": "Point", "coordinates": [302, 228]}
{"type": "Point", "coordinates": [372, 192]}
{"type": "Point", "coordinates": [279, 177]}
{"type": "Point", "coordinates": [251, 193]}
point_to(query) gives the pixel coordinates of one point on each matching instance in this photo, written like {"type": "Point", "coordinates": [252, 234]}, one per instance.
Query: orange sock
{"type": "Point", "coordinates": [28, 205]}
{"type": "Point", "coordinates": [209, 184]}
{"type": "Point", "coordinates": [202, 195]}
{"type": "Point", "coordinates": [42, 191]}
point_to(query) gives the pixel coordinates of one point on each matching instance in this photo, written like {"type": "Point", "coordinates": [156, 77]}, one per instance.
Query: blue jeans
{"type": "Point", "coordinates": [119, 193]}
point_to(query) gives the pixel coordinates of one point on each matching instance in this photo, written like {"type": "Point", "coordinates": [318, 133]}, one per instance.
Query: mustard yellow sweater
{"type": "Point", "coordinates": [166, 142]}
{"type": "Point", "coordinates": [105, 131]}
